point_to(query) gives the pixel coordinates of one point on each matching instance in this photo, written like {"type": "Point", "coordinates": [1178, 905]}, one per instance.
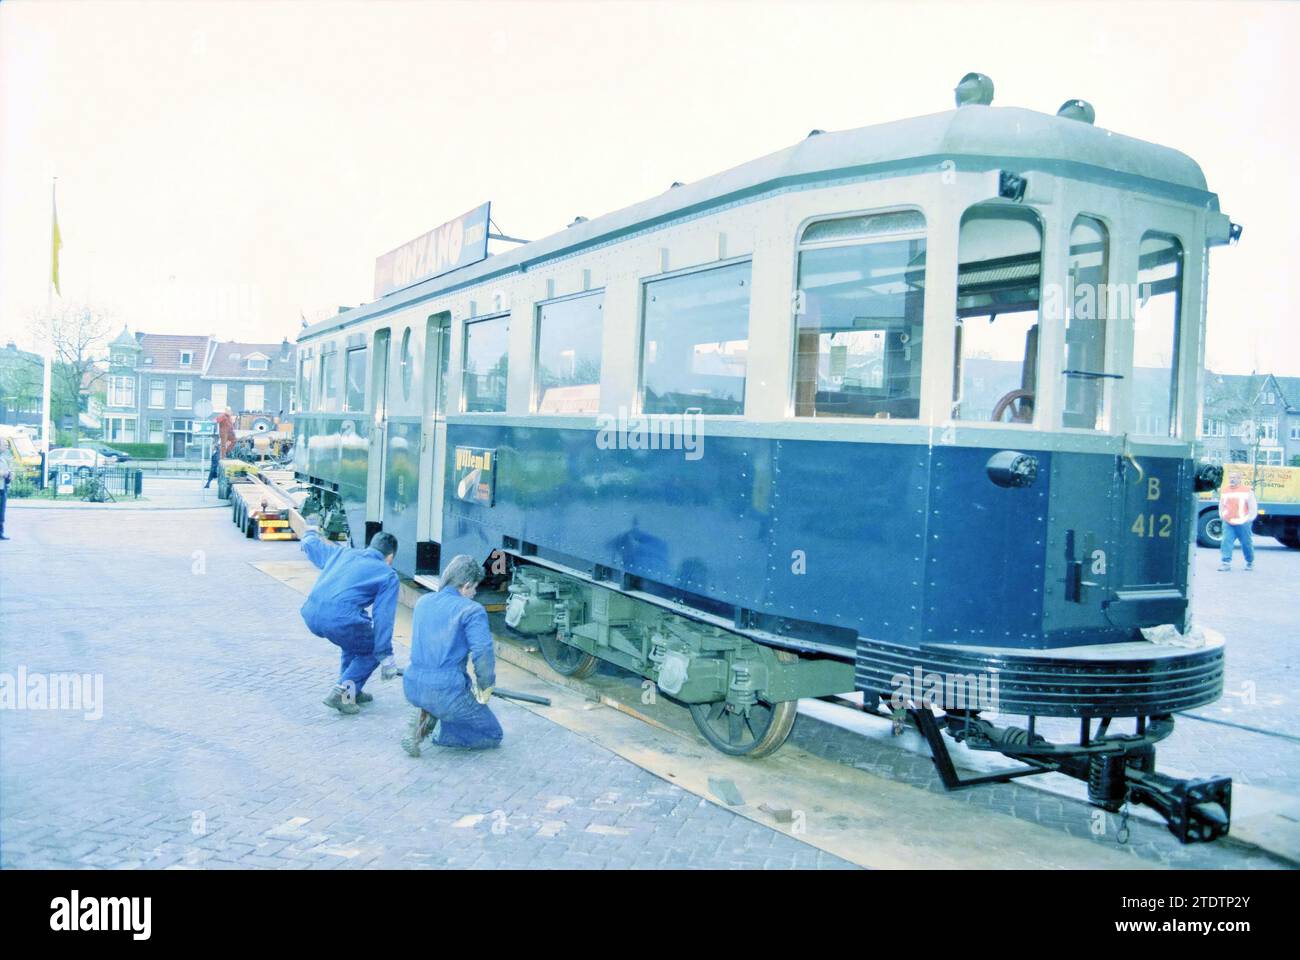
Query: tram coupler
{"type": "Point", "coordinates": [1195, 810]}
{"type": "Point", "coordinates": [1117, 768]}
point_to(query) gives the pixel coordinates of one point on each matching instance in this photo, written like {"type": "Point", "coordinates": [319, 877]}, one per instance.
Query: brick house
{"type": "Point", "coordinates": [1255, 416]}
{"type": "Point", "coordinates": [156, 381]}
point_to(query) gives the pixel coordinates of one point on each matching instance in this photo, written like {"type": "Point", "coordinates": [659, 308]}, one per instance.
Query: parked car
{"type": "Point", "coordinates": [81, 462]}
{"type": "Point", "coordinates": [108, 453]}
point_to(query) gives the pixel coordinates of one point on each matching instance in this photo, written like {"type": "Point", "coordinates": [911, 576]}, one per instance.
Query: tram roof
{"type": "Point", "coordinates": [973, 137]}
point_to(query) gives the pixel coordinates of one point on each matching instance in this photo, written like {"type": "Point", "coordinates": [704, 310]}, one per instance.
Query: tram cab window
{"type": "Point", "coordinates": [859, 310]}
{"type": "Point", "coordinates": [354, 397]}
{"type": "Point", "coordinates": [1155, 336]}
{"type": "Point", "coordinates": [567, 375]}
{"type": "Point", "coordinates": [695, 341]}
{"type": "Point", "coordinates": [999, 274]}
{"type": "Point", "coordinates": [487, 361]}
{"type": "Point", "coordinates": [1086, 313]}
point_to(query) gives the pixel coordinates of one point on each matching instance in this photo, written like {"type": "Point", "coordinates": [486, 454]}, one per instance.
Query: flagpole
{"type": "Point", "coordinates": [47, 428]}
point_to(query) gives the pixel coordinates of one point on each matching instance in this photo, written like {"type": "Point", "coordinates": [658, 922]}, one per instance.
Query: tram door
{"type": "Point", "coordinates": [378, 444]}
{"type": "Point", "coordinates": [437, 361]}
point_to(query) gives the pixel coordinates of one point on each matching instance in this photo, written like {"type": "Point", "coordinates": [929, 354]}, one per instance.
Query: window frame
{"type": "Point", "coordinates": [1119, 373]}
{"type": "Point", "coordinates": [792, 359]}
{"type": "Point", "coordinates": [462, 400]}
{"type": "Point", "coordinates": [365, 373]}
{"type": "Point", "coordinates": [1038, 423]}
{"type": "Point", "coordinates": [535, 382]}
{"type": "Point", "coordinates": [638, 396]}
{"type": "Point", "coordinates": [1176, 430]}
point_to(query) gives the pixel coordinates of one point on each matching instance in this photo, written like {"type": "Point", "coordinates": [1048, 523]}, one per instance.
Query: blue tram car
{"type": "Point", "coordinates": [908, 410]}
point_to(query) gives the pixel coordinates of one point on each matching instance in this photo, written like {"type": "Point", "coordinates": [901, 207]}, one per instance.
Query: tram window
{"type": "Point", "coordinates": [407, 370]}
{"type": "Point", "coordinates": [304, 384]}
{"type": "Point", "coordinates": [329, 387]}
{"type": "Point", "coordinates": [1155, 336]}
{"type": "Point", "coordinates": [695, 340]}
{"type": "Point", "coordinates": [999, 274]}
{"type": "Point", "coordinates": [444, 364]}
{"type": "Point", "coordinates": [1085, 326]}
{"type": "Point", "coordinates": [354, 397]}
{"type": "Point", "coordinates": [483, 387]}
{"type": "Point", "coordinates": [567, 375]}
{"type": "Point", "coordinates": [860, 309]}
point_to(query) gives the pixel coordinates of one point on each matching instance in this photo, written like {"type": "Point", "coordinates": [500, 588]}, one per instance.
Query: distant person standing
{"type": "Point", "coordinates": [6, 476]}
{"type": "Point", "coordinates": [214, 468]}
{"type": "Point", "coordinates": [1238, 510]}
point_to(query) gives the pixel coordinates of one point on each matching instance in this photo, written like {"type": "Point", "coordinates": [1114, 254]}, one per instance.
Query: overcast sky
{"type": "Point", "coordinates": [227, 168]}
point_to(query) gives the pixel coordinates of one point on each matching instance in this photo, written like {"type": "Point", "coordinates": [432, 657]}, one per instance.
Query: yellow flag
{"type": "Point", "coordinates": [54, 253]}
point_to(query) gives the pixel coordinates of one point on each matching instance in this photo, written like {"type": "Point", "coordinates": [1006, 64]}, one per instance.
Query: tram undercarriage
{"type": "Point", "coordinates": [743, 694]}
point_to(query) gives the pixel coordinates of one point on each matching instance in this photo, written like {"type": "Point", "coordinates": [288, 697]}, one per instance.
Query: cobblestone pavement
{"type": "Point", "coordinates": [214, 749]}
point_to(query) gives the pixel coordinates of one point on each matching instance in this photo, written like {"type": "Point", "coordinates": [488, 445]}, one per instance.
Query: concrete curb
{"type": "Point", "coordinates": [113, 508]}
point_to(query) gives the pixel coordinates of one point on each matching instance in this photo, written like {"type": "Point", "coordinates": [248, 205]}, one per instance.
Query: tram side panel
{"type": "Point", "coordinates": [331, 455]}
{"type": "Point", "coordinates": [896, 542]}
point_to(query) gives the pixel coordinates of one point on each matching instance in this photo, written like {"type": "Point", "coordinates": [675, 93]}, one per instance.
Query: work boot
{"type": "Point", "coordinates": [364, 697]}
{"type": "Point", "coordinates": [417, 730]}
{"type": "Point", "coordinates": [340, 702]}
{"type": "Point", "coordinates": [389, 670]}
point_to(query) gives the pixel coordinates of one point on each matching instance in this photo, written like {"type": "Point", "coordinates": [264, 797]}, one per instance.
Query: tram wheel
{"type": "Point", "coordinates": [566, 659]}
{"type": "Point", "coordinates": [756, 734]}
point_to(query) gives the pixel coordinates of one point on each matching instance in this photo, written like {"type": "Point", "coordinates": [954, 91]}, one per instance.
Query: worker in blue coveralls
{"type": "Point", "coordinates": [449, 629]}
{"type": "Point", "coordinates": [350, 581]}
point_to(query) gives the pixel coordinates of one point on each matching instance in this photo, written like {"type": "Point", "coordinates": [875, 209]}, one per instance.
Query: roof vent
{"type": "Point", "coordinates": [578, 220]}
{"type": "Point", "coordinates": [814, 133]}
{"type": "Point", "coordinates": [1077, 110]}
{"type": "Point", "coordinates": [975, 88]}
{"type": "Point", "coordinates": [675, 184]}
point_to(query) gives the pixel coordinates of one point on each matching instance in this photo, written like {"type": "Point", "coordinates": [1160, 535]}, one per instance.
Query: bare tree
{"type": "Point", "coordinates": [76, 335]}
{"type": "Point", "coordinates": [1236, 405]}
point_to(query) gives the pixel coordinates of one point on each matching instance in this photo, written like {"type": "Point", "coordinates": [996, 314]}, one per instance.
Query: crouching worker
{"type": "Point", "coordinates": [350, 581]}
{"type": "Point", "coordinates": [447, 630]}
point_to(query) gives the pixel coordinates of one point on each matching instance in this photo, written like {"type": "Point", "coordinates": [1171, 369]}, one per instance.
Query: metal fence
{"type": "Point", "coordinates": [99, 485]}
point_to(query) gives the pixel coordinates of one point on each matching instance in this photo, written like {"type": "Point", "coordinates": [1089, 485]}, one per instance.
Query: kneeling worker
{"type": "Point", "coordinates": [448, 629]}
{"type": "Point", "coordinates": [350, 581]}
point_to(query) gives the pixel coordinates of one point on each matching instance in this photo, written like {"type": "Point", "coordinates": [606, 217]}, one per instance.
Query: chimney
{"type": "Point", "coordinates": [284, 349]}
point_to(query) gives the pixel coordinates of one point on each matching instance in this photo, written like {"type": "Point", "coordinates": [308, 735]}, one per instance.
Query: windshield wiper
{"type": "Point", "coordinates": [1092, 374]}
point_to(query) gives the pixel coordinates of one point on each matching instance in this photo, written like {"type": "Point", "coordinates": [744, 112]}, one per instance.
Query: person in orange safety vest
{"type": "Point", "coordinates": [1237, 509]}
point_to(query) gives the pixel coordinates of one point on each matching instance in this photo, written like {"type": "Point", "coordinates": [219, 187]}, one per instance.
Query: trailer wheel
{"type": "Point", "coordinates": [1290, 537]}
{"type": "Point", "coordinates": [1209, 528]}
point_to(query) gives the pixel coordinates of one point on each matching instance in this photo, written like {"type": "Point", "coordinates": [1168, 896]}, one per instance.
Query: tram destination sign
{"type": "Point", "coordinates": [455, 244]}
